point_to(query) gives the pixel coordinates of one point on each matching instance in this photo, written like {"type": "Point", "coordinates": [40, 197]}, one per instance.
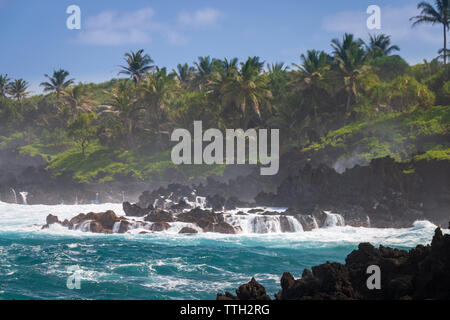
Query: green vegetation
{"type": "Point", "coordinates": [357, 102]}
{"type": "Point", "coordinates": [104, 164]}
{"type": "Point", "coordinates": [397, 134]}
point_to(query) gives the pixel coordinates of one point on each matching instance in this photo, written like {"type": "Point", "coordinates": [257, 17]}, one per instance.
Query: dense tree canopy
{"type": "Point", "coordinates": [355, 81]}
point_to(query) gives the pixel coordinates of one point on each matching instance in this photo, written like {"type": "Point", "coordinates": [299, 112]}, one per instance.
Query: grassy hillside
{"type": "Point", "coordinates": [419, 134]}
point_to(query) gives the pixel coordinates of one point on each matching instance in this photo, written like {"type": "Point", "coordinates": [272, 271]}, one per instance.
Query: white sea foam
{"type": "Point", "coordinates": [265, 229]}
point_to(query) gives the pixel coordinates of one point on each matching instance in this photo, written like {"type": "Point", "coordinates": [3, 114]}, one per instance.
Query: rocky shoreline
{"type": "Point", "coordinates": [203, 210]}
{"type": "Point", "coordinates": [419, 274]}
{"type": "Point", "coordinates": [391, 194]}
{"type": "Point", "coordinates": [384, 194]}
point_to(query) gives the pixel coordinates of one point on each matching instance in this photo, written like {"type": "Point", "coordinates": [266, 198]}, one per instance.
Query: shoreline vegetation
{"type": "Point", "coordinates": [343, 108]}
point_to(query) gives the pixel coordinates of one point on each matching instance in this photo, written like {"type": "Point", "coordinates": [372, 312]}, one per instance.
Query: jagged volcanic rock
{"type": "Point", "coordinates": [187, 230]}
{"type": "Point", "coordinates": [419, 274]}
{"type": "Point", "coordinates": [133, 210]}
{"type": "Point", "coordinates": [249, 291]}
{"type": "Point", "coordinates": [159, 216]}
{"type": "Point", "coordinates": [384, 194]}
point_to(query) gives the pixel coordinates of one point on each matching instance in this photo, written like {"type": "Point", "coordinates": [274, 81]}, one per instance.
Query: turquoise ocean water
{"type": "Point", "coordinates": [36, 264]}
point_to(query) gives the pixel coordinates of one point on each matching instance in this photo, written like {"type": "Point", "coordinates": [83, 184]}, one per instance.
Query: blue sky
{"type": "Point", "coordinates": [35, 39]}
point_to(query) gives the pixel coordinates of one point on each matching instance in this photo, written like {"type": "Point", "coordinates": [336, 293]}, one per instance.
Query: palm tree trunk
{"type": "Point", "coordinates": [349, 97]}
{"type": "Point", "coordinates": [445, 45]}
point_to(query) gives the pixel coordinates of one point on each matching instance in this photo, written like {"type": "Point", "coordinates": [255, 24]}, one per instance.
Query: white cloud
{"type": "Point", "coordinates": [200, 18]}
{"type": "Point", "coordinates": [113, 28]}
{"type": "Point", "coordinates": [394, 22]}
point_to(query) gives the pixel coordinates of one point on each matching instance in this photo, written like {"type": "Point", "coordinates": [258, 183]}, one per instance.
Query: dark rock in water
{"type": "Point", "coordinates": [133, 210]}
{"type": "Point", "coordinates": [197, 214]}
{"type": "Point", "coordinates": [252, 291]}
{"type": "Point", "coordinates": [187, 230]}
{"type": "Point", "coordinates": [249, 291]}
{"type": "Point", "coordinates": [66, 223]}
{"type": "Point", "coordinates": [96, 227]}
{"type": "Point", "coordinates": [271, 213]}
{"type": "Point", "coordinates": [329, 281]}
{"type": "Point", "coordinates": [286, 225]}
{"type": "Point", "coordinates": [233, 202]}
{"type": "Point", "coordinates": [253, 211]}
{"type": "Point", "coordinates": [159, 216]}
{"type": "Point", "coordinates": [51, 219]}
{"type": "Point", "coordinates": [172, 192]}
{"type": "Point", "coordinates": [241, 213]}
{"type": "Point", "coordinates": [311, 221]}
{"type": "Point", "coordinates": [160, 226]}
{"type": "Point", "coordinates": [308, 222]}
{"type": "Point", "coordinates": [181, 205]}
{"type": "Point", "coordinates": [107, 219]}
{"type": "Point", "coordinates": [216, 202]}
{"type": "Point", "coordinates": [124, 226]}
{"type": "Point", "coordinates": [102, 222]}
{"type": "Point", "coordinates": [226, 297]}
{"type": "Point", "coordinates": [206, 225]}
{"type": "Point", "coordinates": [420, 274]}
{"type": "Point", "coordinates": [223, 227]}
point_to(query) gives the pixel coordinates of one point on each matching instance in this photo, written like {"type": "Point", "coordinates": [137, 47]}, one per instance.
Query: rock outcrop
{"type": "Point", "coordinates": [249, 291]}
{"type": "Point", "coordinates": [133, 210]}
{"type": "Point", "coordinates": [187, 230]}
{"type": "Point", "coordinates": [155, 220]}
{"type": "Point", "coordinates": [159, 216]}
{"type": "Point", "coordinates": [384, 194]}
{"type": "Point", "coordinates": [419, 274]}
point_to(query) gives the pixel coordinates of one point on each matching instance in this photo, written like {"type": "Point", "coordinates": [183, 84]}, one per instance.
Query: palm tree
{"type": "Point", "coordinates": [156, 91]}
{"type": "Point", "coordinates": [137, 65]}
{"type": "Point", "coordinates": [126, 113]}
{"type": "Point", "coordinates": [18, 89]}
{"type": "Point", "coordinates": [57, 82]}
{"type": "Point", "coordinates": [205, 67]}
{"type": "Point", "coordinates": [440, 14]}
{"type": "Point", "coordinates": [4, 80]}
{"type": "Point", "coordinates": [350, 59]}
{"type": "Point", "coordinates": [75, 98]}
{"type": "Point", "coordinates": [248, 89]}
{"type": "Point", "coordinates": [277, 67]}
{"type": "Point", "coordinates": [380, 45]}
{"type": "Point", "coordinates": [184, 72]}
{"type": "Point", "coordinates": [442, 55]}
{"type": "Point", "coordinates": [185, 75]}
{"type": "Point", "coordinates": [310, 79]}
{"type": "Point", "coordinates": [314, 61]}
{"type": "Point", "coordinates": [229, 67]}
